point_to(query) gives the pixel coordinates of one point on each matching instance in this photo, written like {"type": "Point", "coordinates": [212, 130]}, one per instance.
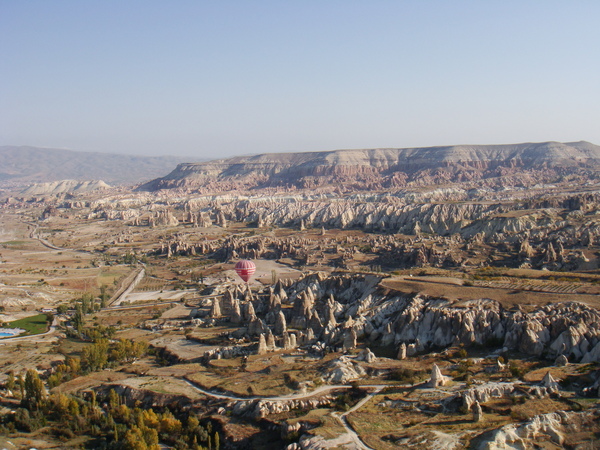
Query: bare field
{"type": "Point", "coordinates": [509, 297]}
{"type": "Point", "coordinates": [263, 375]}
{"type": "Point", "coordinates": [19, 355]}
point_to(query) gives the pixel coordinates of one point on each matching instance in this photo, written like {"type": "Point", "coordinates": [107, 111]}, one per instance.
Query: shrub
{"type": "Point", "coordinates": [405, 375]}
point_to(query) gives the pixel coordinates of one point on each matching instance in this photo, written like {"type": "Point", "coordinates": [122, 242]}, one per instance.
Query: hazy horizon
{"type": "Point", "coordinates": [192, 158]}
{"type": "Point", "coordinates": [208, 80]}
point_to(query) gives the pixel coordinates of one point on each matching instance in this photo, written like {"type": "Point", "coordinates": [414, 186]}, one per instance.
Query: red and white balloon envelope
{"type": "Point", "coordinates": [245, 269]}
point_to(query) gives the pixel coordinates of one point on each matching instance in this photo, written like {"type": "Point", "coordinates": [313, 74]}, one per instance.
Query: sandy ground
{"type": "Point", "coordinates": [263, 274]}
{"type": "Point", "coordinates": [155, 295]}
{"type": "Point", "coordinates": [163, 384]}
{"type": "Point", "coordinates": [177, 312]}
{"type": "Point", "coordinates": [183, 348]}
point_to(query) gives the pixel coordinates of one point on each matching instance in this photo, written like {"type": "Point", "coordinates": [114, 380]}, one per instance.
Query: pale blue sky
{"type": "Point", "coordinates": [216, 78]}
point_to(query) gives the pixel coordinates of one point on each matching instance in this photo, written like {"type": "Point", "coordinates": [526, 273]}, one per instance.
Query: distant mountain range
{"type": "Point", "coordinates": [515, 164]}
{"type": "Point", "coordinates": [364, 169]}
{"type": "Point", "coordinates": [21, 165]}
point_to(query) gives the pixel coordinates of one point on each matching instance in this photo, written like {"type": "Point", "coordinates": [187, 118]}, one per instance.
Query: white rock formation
{"type": "Point", "coordinates": [367, 355]}
{"type": "Point", "coordinates": [402, 351]}
{"type": "Point", "coordinates": [550, 383]}
{"type": "Point", "coordinates": [262, 345]}
{"type": "Point", "coordinates": [477, 412]}
{"type": "Point", "coordinates": [215, 311]}
{"type": "Point", "coordinates": [485, 392]}
{"type": "Point", "coordinates": [437, 379]}
{"type": "Point", "coordinates": [343, 370]}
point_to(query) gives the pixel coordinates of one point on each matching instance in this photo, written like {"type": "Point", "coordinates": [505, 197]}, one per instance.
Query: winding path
{"type": "Point", "coordinates": [343, 419]}
{"type": "Point", "coordinates": [44, 242]}
{"type": "Point", "coordinates": [354, 437]}
{"type": "Point", "coordinates": [283, 398]}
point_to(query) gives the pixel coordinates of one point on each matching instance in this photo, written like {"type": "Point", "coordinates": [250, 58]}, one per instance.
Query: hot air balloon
{"type": "Point", "coordinates": [245, 269]}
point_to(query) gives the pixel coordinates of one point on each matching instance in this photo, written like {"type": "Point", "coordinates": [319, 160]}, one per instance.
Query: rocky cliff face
{"type": "Point", "coordinates": [552, 232]}
{"type": "Point", "coordinates": [64, 186]}
{"type": "Point", "coordinates": [379, 168]}
{"type": "Point", "coordinates": [340, 311]}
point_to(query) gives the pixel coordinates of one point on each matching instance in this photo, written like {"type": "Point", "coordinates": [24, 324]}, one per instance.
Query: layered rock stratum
{"type": "Point", "coordinates": [64, 186]}
{"type": "Point", "coordinates": [522, 164]}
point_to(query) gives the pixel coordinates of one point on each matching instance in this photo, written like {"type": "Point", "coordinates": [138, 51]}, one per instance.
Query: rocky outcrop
{"type": "Point", "coordinates": [485, 392]}
{"type": "Point", "coordinates": [377, 168]}
{"type": "Point", "coordinates": [437, 379]}
{"type": "Point", "coordinates": [360, 311]}
{"type": "Point", "coordinates": [441, 234]}
{"type": "Point", "coordinates": [215, 311]}
{"type": "Point", "coordinates": [477, 412]}
{"type": "Point", "coordinates": [561, 361]}
{"type": "Point", "coordinates": [550, 383]}
{"type": "Point", "coordinates": [546, 429]}
{"type": "Point", "coordinates": [418, 323]}
{"type": "Point", "coordinates": [262, 345]}
{"type": "Point", "coordinates": [259, 408]}
{"type": "Point", "coordinates": [65, 186]}
{"type": "Point", "coordinates": [343, 370]}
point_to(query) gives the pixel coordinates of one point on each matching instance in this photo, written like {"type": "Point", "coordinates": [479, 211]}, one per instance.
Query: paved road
{"type": "Point", "coordinates": [130, 287]}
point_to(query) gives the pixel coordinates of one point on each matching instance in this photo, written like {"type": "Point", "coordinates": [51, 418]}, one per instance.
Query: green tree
{"type": "Point", "coordinates": [129, 258]}
{"type": "Point", "coordinates": [10, 382]}
{"type": "Point", "coordinates": [23, 420]}
{"type": "Point", "coordinates": [74, 365]}
{"type": "Point", "coordinates": [103, 296]}
{"type": "Point", "coordinates": [21, 382]}
{"type": "Point", "coordinates": [35, 393]}
{"type": "Point", "coordinates": [134, 440]}
{"type": "Point", "coordinates": [95, 357]}
{"type": "Point", "coordinates": [93, 400]}
{"type": "Point", "coordinates": [54, 379]}
{"type": "Point", "coordinates": [87, 303]}
{"type": "Point", "coordinates": [78, 319]}
{"type": "Point", "coordinates": [169, 424]}
{"type": "Point", "coordinates": [113, 399]}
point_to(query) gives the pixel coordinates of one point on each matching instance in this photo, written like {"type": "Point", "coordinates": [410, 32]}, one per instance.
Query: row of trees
{"type": "Point", "coordinates": [103, 353]}
{"type": "Point", "coordinates": [98, 356]}
{"type": "Point", "coordinates": [111, 424]}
